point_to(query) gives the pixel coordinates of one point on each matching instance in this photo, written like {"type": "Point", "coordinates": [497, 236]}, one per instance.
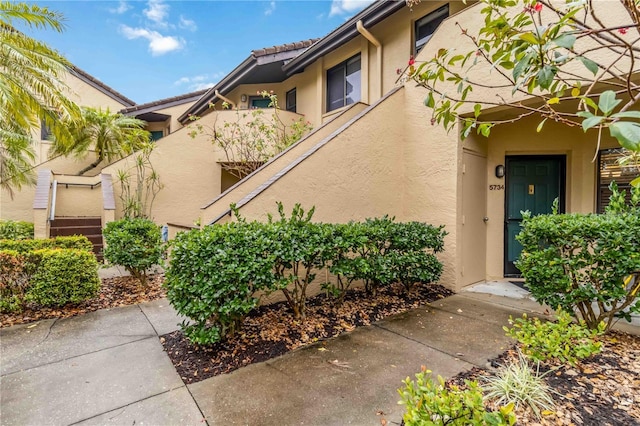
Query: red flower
{"type": "Point", "coordinates": [622, 31]}
{"type": "Point", "coordinates": [411, 60]}
{"type": "Point", "coordinates": [537, 7]}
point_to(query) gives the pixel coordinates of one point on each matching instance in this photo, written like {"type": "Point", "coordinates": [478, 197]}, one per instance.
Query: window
{"type": "Point", "coordinates": [256, 102]}
{"type": "Point", "coordinates": [343, 84]}
{"type": "Point", "coordinates": [45, 132]}
{"type": "Point", "coordinates": [426, 26]}
{"type": "Point", "coordinates": [156, 134]}
{"type": "Point", "coordinates": [610, 169]}
{"type": "Point", "coordinates": [291, 100]}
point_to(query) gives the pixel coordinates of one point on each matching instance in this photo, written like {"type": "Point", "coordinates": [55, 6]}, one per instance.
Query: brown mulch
{"type": "Point", "coordinates": [601, 390]}
{"type": "Point", "coordinates": [271, 330]}
{"type": "Point", "coordinates": [114, 292]}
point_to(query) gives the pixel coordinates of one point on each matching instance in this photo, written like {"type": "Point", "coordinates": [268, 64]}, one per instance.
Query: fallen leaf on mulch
{"type": "Point", "coordinates": [114, 292]}
{"type": "Point", "coordinates": [271, 330]}
{"type": "Point", "coordinates": [601, 390]}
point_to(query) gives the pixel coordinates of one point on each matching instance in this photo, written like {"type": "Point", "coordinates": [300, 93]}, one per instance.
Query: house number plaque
{"type": "Point", "coordinates": [496, 187]}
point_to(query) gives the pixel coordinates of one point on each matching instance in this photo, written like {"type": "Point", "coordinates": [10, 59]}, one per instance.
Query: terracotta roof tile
{"type": "Point", "coordinates": [164, 101]}
{"type": "Point", "coordinates": [283, 48]}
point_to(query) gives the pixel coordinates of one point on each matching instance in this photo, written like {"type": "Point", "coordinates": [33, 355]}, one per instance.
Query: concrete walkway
{"type": "Point", "coordinates": [108, 367]}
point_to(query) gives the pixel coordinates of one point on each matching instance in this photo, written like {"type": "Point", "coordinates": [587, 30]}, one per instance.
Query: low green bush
{"type": "Point", "coordinates": [14, 281]}
{"type": "Point", "coordinates": [15, 230]}
{"type": "Point", "coordinates": [588, 264]}
{"type": "Point", "coordinates": [215, 275]}
{"type": "Point", "coordinates": [136, 244]}
{"type": "Point", "coordinates": [62, 276]}
{"type": "Point", "coordinates": [562, 340]}
{"type": "Point", "coordinates": [434, 403]}
{"type": "Point", "coordinates": [78, 242]}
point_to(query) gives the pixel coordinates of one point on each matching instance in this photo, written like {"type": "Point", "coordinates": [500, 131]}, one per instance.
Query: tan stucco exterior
{"type": "Point", "coordinates": [380, 156]}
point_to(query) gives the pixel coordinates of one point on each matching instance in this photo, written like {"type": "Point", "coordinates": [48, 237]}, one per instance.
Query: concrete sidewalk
{"type": "Point", "coordinates": [108, 367]}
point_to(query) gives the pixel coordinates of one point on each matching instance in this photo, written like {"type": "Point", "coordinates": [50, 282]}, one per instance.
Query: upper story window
{"type": "Point", "coordinates": [343, 83]}
{"type": "Point", "coordinates": [156, 135]}
{"type": "Point", "coordinates": [291, 100]}
{"type": "Point", "coordinates": [256, 102]}
{"type": "Point", "coordinates": [45, 132]}
{"type": "Point", "coordinates": [426, 26]}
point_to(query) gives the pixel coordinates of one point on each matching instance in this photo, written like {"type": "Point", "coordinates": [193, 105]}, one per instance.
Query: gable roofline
{"type": "Point", "coordinates": [97, 84]}
{"type": "Point", "coordinates": [258, 58]}
{"type": "Point", "coordinates": [370, 16]}
{"type": "Point", "coordinates": [163, 103]}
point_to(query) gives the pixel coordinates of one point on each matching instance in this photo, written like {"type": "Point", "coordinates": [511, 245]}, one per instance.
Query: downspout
{"type": "Point", "coordinates": [224, 98]}
{"type": "Point", "coordinates": [366, 34]}
{"type": "Point", "coordinates": [54, 193]}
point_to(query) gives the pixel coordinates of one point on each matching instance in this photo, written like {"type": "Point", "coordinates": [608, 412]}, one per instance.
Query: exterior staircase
{"type": "Point", "coordinates": [90, 227]}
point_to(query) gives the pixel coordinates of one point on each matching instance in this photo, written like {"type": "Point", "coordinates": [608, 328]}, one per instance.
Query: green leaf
{"type": "Point", "coordinates": [591, 122]}
{"type": "Point", "coordinates": [546, 75]}
{"type": "Point", "coordinates": [627, 134]}
{"type": "Point", "coordinates": [636, 182]}
{"type": "Point", "coordinates": [539, 128]}
{"type": "Point", "coordinates": [589, 64]}
{"type": "Point", "coordinates": [565, 40]}
{"type": "Point", "coordinates": [627, 114]}
{"type": "Point", "coordinates": [477, 109]}
{"type": "Point", "coordinates": [608, 101]}
{"type": "Point", "coordinates": [429, 101]}
{"type": "Point", "coordinates": [529, 38]}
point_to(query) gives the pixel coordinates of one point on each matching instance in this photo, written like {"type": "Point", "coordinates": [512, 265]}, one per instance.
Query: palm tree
{"type": "Point", "coordinates": [32, 90]}
{"type": "Point", "coordinates": [110, 135]}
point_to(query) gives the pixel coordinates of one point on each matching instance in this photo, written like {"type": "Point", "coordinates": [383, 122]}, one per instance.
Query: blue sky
{"type": "Point", "coordinates": [154, 49]}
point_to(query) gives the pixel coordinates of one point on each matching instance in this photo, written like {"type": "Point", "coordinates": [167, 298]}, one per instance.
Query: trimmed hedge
{"type": "Point", "coordinates": [215, 273]}
{"type": "Point", "coordinates": [15, 230]}
{"type": "Point", "coordinates": [63, 276]}
{"type": "Point", "coordinates": [48, 277]}
{"type": "Point", "coordinates": [576, 261]}
{"type": "Point", "coordinates": [136, 244]}
{"type": "Point", "coordinates": [78, 242]}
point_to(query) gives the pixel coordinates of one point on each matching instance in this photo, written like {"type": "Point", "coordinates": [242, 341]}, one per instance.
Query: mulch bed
{"type": "Point", "coordinates": [114, 292]}
{"type": "Point", "coordinates": [601, 390]}
{"type": "Point", "coordinates": [271, 330]}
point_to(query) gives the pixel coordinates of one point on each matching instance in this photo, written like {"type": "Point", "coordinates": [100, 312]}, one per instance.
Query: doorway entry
{"type": "Point", "coordinates": [532, 183]}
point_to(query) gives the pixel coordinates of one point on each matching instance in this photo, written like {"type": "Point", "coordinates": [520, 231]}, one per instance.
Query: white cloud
{"type": "Point", "coordinates": [123, 6]}
{"type": "Point", "coordinates": [199, 82]}
{"type": "Point", "coordinates": [271, 8]}
{"type": "Point", "coordinates": [187, 24]}
{"type": "Point", "coordinates": [158, 44]}
{"type": "Point", "coordinates": [157, 12]}
{"type": "Point", "coordinates": [341, 7]}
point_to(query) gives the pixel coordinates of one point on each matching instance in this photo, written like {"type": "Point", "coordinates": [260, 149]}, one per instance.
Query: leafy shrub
{"type": "Point", "coordinates": [584, 263]}
{"type": "Point", "coordinates": [562, 340]}
{"type": "Point", "coordinates": [78, 242]}
{"type": "Point", "coordinates": [13, 281]}
{"type": "Point", "coordinates": [300, 247]}
{"type": "Point", "coordinates": [63, 276]}
{"type": "Point", "coordinates": [214, 276]}
{"type": "Point", "coordinates": [134, 243]}
{"type": "Point", "coordinates": [15, 230]}
{"type": "Point", "coordinates": [517, 383]}
{"type": "Point", "coordinates": [431, 403]}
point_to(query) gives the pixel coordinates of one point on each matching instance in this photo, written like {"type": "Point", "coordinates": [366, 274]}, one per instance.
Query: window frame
{"type": "Point", "coordinates": [602, 188]}
{"type": "Point", "coordinates": [441, 13]}
{"type": "Point", "coordinates": [291, 107]}
{"type": "Point", "coordinates": [344, 65]}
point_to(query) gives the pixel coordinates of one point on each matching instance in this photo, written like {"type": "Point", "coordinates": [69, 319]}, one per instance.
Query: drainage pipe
{"type": "Point", "coordinates": [54, 193]}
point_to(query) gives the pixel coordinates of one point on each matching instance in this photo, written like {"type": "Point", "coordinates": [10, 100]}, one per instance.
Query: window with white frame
{"type": "Point", "coordinates": [427, 25]}
{"type": "Point", "coordinates": [343, 83]}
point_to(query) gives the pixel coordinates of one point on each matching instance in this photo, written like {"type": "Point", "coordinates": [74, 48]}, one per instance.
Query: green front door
{"type": "Point", "coordinates": [532, 183]}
